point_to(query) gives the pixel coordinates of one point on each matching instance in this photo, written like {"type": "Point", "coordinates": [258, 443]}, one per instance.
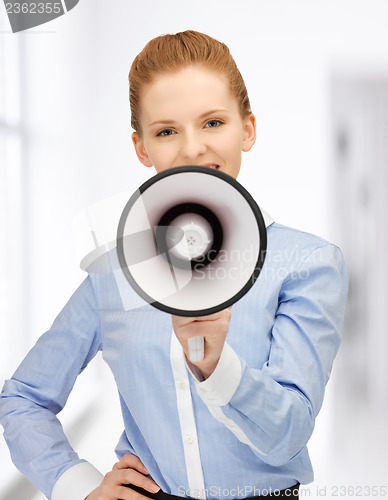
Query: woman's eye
{"type": "Point", "coordinates": [213, 123]}
{"type": "Point", "coordinates": [165, 133]}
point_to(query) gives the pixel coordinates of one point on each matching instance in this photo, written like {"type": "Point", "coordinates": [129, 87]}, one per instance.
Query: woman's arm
{"type": "Point", "coordinates": [39, 389]}
{"type": "Point", "coordinates": [273, 409]}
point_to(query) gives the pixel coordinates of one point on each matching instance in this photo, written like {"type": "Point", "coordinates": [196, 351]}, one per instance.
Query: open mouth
{"type": "Point", "coordinates": [211, 165]}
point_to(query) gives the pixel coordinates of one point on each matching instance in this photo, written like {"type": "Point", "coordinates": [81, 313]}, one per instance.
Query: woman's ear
{"type": "Point", "coordinates": [140, 150]}
{"type": "Point", "coordinates": [249, 132]}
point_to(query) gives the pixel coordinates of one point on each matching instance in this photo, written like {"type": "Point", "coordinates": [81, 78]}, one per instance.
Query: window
{"type": "Point", "coordinates": [12, 285]}
{"type": "Point", "coordinates": [11, 202]}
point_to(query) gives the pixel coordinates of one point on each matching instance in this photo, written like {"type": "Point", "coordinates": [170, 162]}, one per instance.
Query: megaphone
{"type": "Point", "coordinates": [191, 241]}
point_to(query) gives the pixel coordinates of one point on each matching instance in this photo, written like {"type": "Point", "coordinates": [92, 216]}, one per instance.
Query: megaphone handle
{"type": "Point", "coordinates": [196, 349]}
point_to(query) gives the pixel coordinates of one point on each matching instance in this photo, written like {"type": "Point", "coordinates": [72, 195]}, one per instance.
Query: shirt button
{"type": "Point", "coordinates": [189, 439]}
{"type": "Point", "coordinates": [182, 384]}
{"type": "Point", "coordinates": [203, 390]}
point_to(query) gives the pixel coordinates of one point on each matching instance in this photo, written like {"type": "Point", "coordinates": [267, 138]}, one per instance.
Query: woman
{"type": "Point", "coordinates": [237, 423]}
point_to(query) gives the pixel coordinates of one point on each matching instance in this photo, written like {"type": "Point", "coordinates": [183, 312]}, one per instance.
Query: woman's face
{"type": "Point", "coordinates": [190, 117]}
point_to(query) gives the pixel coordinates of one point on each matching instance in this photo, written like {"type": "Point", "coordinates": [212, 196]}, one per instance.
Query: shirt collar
{"type": "Point", "coordinates": [268, 220]}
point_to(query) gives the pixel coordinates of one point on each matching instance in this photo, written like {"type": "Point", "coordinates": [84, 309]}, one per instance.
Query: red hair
{"type": "Point", "coordinates": [168, 53]}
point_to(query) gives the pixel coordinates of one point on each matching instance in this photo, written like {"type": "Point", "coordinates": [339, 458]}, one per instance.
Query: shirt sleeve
{"type": "Point", "coordinates": [273, 409]}
{"type": "Point", "coordinates": [39, 390]}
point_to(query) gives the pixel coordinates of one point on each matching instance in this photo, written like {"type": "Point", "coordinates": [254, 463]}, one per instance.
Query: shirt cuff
{"type": "Point", "coordinates": [77, 482]}
{"type": "Point", "coordinates": [219, 388]}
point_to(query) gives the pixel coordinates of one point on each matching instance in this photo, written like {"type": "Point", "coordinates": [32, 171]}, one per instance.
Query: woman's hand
{"type": "Point", "coordinates": [129, 470]}
{"type": "Point", "coordinates": [214, 329]}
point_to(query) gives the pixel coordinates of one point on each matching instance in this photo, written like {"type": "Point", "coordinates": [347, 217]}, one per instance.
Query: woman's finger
{"type": "Point", "coordinates": [131, 476]}
{"type": "Point", "coordinates": [130, 461]}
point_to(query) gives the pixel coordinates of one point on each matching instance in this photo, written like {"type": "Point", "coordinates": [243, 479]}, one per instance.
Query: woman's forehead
{"type": "Point", "coordinates": [193, 89]}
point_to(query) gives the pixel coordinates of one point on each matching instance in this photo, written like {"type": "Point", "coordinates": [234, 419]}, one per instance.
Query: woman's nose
{"type": "Point", "coordinates": [192, 147]}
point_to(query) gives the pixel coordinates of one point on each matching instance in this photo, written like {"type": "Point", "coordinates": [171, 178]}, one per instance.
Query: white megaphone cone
{"type": "Point", "coordinates": [203, 239]}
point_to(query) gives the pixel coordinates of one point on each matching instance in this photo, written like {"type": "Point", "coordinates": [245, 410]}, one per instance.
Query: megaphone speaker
{"type": "Point", "coordinates": [191, 241]}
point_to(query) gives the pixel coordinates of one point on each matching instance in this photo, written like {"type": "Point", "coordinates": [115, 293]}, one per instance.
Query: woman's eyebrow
{"type": "Point", "coordinates": [162, 122]}
{"type": "Point", "coordinates": [213, 112]}
{"type": "Point", "coordinates": [201, 117]}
